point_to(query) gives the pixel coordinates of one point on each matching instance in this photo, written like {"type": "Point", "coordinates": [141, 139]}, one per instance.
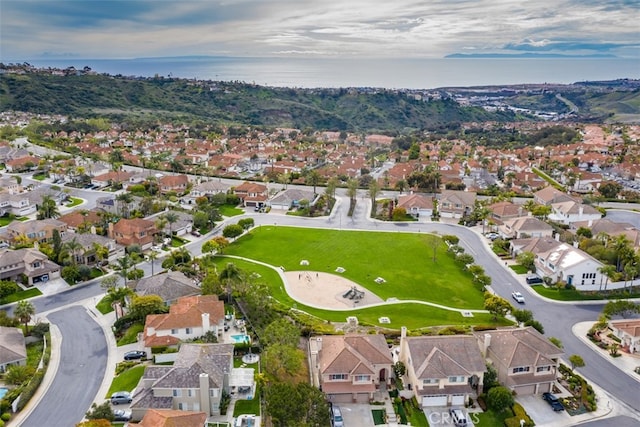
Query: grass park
{"type": "Point", "coordinates": [404, 260]}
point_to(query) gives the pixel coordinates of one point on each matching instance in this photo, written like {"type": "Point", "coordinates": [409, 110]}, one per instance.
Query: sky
{"type": "Point", "coordinates": [316, 28]}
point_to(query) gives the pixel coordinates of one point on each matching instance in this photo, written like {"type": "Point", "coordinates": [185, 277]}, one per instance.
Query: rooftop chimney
{"type": "Point", "coordinates": [486, 344]}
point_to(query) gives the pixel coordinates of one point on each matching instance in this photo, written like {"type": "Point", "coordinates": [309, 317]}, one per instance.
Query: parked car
{"type": "Point", "coordinates": [336, 416]}
{"type": "Point", "coordinates": [492, 236]}
{"type": "Point", "coordinates": [553, 401]}
{"type": "Point", "coordinates": [122, 415]}
{"type": "Point", "coordinates": [458, 418]}
{"type": "Point", "coordinates": [518, 297]}
{"type": "Point", "coordinates": [120, 397]}
{"type": "Point", "coordinates": [533, 279]}
{"type": "Point", "coordinates": [135, 355]}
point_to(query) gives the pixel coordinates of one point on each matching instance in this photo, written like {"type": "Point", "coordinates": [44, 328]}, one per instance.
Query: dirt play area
{"type": "Point", "coordinates": [329, 291]}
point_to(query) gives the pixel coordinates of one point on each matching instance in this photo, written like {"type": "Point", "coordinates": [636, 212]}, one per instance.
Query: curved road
{"type": "Point", "coordinates": [83, 354]}
{"type": "Point", "coordinates": [557, 318]}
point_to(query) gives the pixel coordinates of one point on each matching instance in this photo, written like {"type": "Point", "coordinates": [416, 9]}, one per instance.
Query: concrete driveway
{"type": "Point", "coordinates": [357, 414]}
{"type": "Point", "coordinates": [540, 411]}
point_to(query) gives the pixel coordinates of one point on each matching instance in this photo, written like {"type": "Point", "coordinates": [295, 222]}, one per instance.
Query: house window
{"type": "Point", "coordinates": [36, 264]}
{"type": "Point", "coordinates": [142, 234]}
{"type": "Point", "coordinates": [190, 393]}
{"type": "Point", "coordinates": [456, 379]}
{"type": "Point", "coordinates": [543, 368]}
{"type": "Point", "coordinates": [338, 377]}
{"type": "Point", "coordinates": [174, 331]}
{"type": "Point", "coordinates": [213, 392]}
{"type": "Point", "coordinates": [430, 381]}
{"type": "Point", "coordinates": [188, 330]}
{"type": "Point", "coordinates": [520, 369]}
{"type": "Point", "coordinates": [177, 393]}
{"type": "Point", "coordinates": [362, 378]}
{"type": "Point", "coordinates": [181, 406]}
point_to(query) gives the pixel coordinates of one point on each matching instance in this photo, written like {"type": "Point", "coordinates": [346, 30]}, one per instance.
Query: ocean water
{"type": "Point", "coordinates": [387, 73]}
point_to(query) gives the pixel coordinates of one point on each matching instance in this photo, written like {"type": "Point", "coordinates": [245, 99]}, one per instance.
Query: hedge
{"type": "Point", "coordinates": [519, 414]}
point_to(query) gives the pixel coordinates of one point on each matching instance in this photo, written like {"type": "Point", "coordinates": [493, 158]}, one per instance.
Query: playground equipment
{"type": "Point", "coordinates": [354, 294]}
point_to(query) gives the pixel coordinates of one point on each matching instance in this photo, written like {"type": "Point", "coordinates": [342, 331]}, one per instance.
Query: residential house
{"type": "Point", "coordinates": [13, 350]}
{"type": "Point", "coordinates": [195, 382]}
{"type": "Point", "coordinates": [206, 189]}
{"type": "Point", "coordinates": [628, 330]}
{"type": "Point", "coordinates": [190, 317]}
{"type": "Point", "coordinates": [171, 418]}
{"type": "Point", "coordinates": [562, 262]}
{"type": "Point", "coordinates": [417, 205]}
{"type": "Point", "coordinates": [252, 194]}
{"type": "Point", "coordinates": [570, 212]}
{"type": "Point", "coordinates": [526, 361]}
{"type": "Point", "coordinates": [22, 164]}
{"type": "Point", "coordinates": [611, 229]}
{"type": "Point", "coordinates": [17, 204]}
{"type": "Point", "coordinates": [550, 195]}
{"type": "Point", "coordinates": [525, 226]}
{"type": "Point", "coordinates": [89, 241]}
{"type": "Point", "coordinates": [183, 224]}
{"type": "Point", "coordinates": [33, 264]}
{"type": "Point", "coordinates": [9, 184]}
{"type": "Point", "coordinates": [502, 211]}
{"type": "Point", "coordinates": [169, 286]}
{"type": "Point", "coordinates": [290, 198]}
{"type": "Point", "coordinates": [456, 204]}
{"type": "Point", "coordinates": [350, 368]}
{"type": "Point", "coordinates": [37, 230]}
{"type": "Point", "coordinates": [173, 183]}
{"type": "Point", "coordinates": [111, 178]}
{"type": "Point", "coordinates": [81, 220]}
{"type": "Point", "coordinates": [442, 370]}
{"type": "Point", "coordinates": [136, 231]}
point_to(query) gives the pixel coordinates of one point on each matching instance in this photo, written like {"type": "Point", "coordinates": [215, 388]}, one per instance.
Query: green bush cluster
{"type": "Point", "coordinates": [123, 366]}
{"type": "Point", "coordinates": [519, 414]}
{"type": "Point", "coordinates": [5, 416]}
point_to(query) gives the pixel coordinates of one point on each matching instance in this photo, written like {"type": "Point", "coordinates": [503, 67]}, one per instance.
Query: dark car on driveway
{"type": "Point", "coordinates": [534, 279]}
{"type": "Point", "coordinates": [134, 355]}
{"type": "Point", "coordinates": [553, 401]}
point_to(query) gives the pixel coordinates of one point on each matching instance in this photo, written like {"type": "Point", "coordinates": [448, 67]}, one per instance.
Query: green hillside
{"type": "Point", "coordinates": [233, 103]}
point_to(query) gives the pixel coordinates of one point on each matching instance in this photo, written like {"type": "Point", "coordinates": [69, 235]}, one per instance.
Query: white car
{"type": "Point", "coordinates": [518, 297]}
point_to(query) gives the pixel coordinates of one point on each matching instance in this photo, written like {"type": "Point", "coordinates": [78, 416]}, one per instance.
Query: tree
{"type": "Point", "coordinates": [18, 374]}
{"type": "Point", "coordinates": [7, 288]}
{"type": "Point", "coordinates": [211, 284]}
{"type": "Point", "coordinates": [109, 282]}
{"type": "Point", "coordinates": [232, 231]}
{"type": "Point", "coordinates": [352, 190]}
{"type": "Point", "coordinates": [610, 189]}
{"type": "Point", "coordinates": [209, 246]}
{"type": "Point", "coordinates": [95, 423]}
{"type": "Point", "coordinates": [490, 378]}
{"type": "Point", "coordinates": [332, 184]}
{"type": "Point", "coordinates": [374, 189]}
{"type": "Point", "coordinates": [624, 308]}
{"type": "Point", "coordinates": [282, 332]}
{"type": "Point", "coordinates": [556, 341]}
{"type": "Point", "coordinates": [24, 311]}
{"type": "Point", "coordinates": [522, 316]}
{"type": "Point", "coordinates": [71, 248]}
{"type": "Point", "coordinates": [124, 264]}
{"type": "Point", "coordinates": [142, 306]}
{"type": "Point", "coordinates": [464, 259]}
{"type": "Point", "coordinates": [399, 369]}
{"type": "Point", "coordinates": [401, 184]}
{"type": "Point", "coordinates": [100, 412]}
{"type": "Point", "coordinates": [434, 241]}
{"type": "Point", "coordinates": [282, 361]}
{"type": "Point", "coordinates": [496, 305]}
{"type": "Point", "coordinates": [200, 220]}
{"type": "Point", "coordinates": [576, 361]}
{"type": "Point", "coordinates": [171, 218]}
{"type": "Point", "coordinates": [48, 208]}
{"type": "Point", "coordinates": [500, 398]}
{"type": "Point", "coordinates": [608, 271]}
{"type": "Point", "coordinates": [296, 405]}
{"type": "Point", "coordinates": [527, 260]}
{"type": "Point", "coordinates": [246, 223]}
{"type": "Point", "coordinates": [313, 178]}
{"type": "Point", "coordinates": [535, 325]}
{"type": "Point", "coordinates": [124, 200]}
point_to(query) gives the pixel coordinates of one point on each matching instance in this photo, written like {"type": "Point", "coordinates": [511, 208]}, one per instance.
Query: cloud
{"type": "Point", "coordinates": [360, 28]}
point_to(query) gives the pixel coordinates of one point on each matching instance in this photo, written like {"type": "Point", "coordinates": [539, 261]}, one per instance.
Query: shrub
{"type": "Point", "coordinates": [481, 402]}
{"type": "Point", "coordinates": [5, 417]}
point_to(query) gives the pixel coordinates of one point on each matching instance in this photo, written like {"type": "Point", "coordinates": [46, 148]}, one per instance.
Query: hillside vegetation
{"type": "Point", "coordinates": [234, 103]}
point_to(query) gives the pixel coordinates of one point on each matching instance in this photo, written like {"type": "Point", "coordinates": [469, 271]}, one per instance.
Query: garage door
{"type": "Point", "coordinates": [525, 390]}
{"type": "Point", "coordinates": [457, 399]}
{"type": "Point", "coordinates": [341, 398]}
{"type": "Point", "coordinates": [544, 388]}
{"type": "Point", "coordinates": [435, 400]}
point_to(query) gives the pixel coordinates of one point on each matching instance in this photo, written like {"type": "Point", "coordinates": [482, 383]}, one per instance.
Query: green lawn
{"type": "Point", "coordinates": [6, 220]}
{"type": "Point", "coordinates": [519, 269]}
{"type": "Point", "coordinates": [74, 202]}
{"type": "Point", "coordinates": [104, 305]}
{"type": "Point", "coordinates": [18, 296]}
{"type": "Point", "coordinates": [412, 315]}
{"type": "Point", "coordinates": [176, 242]}
{"type": "Point", "coordinates": [404, 260]}
{"type": "Point", "coordinates": [131, 335]}
{"type": "Point", "coordinates": [491, 418]}
{"type": "Point", "coordinates": [574, 295]}
{"type": "Point", "coordinates": [378, 416]}
{"type": "Point", "coordinates": [248, 406]}
{"type": "Point", "coordinates": [227, 210]}
{"type": "Point", "coordinates": [127, 380]}
{"type": "Point", "coordinates": [39, 176]}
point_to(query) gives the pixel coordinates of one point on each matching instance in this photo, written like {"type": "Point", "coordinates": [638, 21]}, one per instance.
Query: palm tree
{"type": "Point", "coordinates": [608, 271]}
{"type": "Point", "coordinates": [72, 247]}
{"type": "Point", "coordinates": [171, 217]}
{"type": "Point", "coordinates": [374, 189]}
{"type": "Point", "coordinates": [401, 185]}
{"type": "Point", "coordinates": [313, 178]}
{"type": "Point", "coordinates": [124, 264]}
{"type": "Point", "coordinates": [229, 275]}
{"type": "Point", "coordinates": [24, 311]}
{"type": "Point", "coordinates": [152, 257]}
{"type": "Point", "coordinates": [101, 252]}
{"type": "Point", "coordinates": [48, 208]}
{"type": "Point", "coordinates": [125, 199]}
